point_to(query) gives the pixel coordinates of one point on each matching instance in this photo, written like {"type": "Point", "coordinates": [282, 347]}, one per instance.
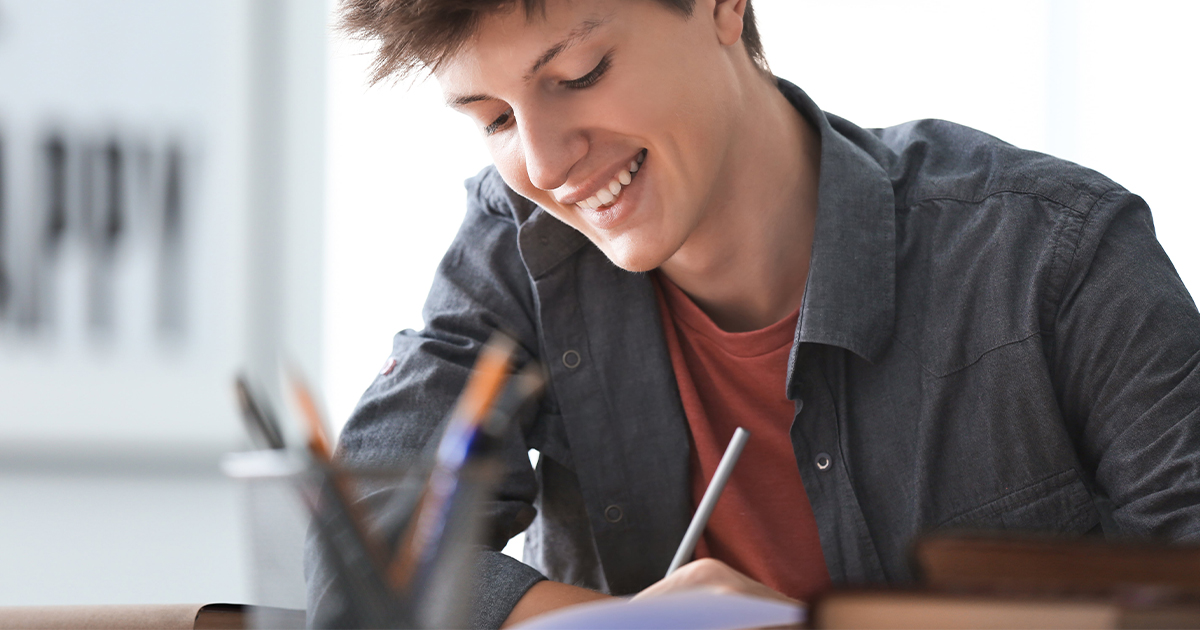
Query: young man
{"type": "Point", "coordinates": [922, 326]}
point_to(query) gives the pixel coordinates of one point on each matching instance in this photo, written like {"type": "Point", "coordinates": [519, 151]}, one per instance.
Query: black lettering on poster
{"type": "Point", "coordinates": [102, 201]}
{"type": "Point", "coordinates": [171, 281]}
{"type": "Point", "coordinates": [104, 209]}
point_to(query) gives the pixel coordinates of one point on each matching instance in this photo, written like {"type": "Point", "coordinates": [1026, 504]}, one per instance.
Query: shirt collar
{"type": "Point", "coordinates": [849, 300]}
{"type": "Point", "coordinates": [850, 297]}
{"type": "Point", "coordinates": [542, 239]}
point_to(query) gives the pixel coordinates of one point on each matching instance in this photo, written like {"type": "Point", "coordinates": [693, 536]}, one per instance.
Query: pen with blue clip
{"type": "Point", "coordinates": [471, 434]}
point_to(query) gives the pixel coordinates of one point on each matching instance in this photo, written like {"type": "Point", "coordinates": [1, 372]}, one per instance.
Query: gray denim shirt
{"type": "Point", "coordinates": [990, 338]}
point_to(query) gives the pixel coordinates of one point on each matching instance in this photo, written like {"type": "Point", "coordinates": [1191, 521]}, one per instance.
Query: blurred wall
{"type": "Point", "coordinates": [161, 209]}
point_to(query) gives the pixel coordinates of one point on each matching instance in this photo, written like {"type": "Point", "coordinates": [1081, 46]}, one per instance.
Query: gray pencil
{"type": "Point", "coordinates": [709, 501]}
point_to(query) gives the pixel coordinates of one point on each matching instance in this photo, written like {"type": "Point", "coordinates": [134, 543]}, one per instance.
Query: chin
{"type": "Point", "coordinates": [635, 266]}
{"type": "Point", "coordinates": [633, 258]}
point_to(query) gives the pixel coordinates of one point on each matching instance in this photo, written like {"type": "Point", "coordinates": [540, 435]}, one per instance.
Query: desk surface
{"type": "Point", "coordinates": [156, 617]}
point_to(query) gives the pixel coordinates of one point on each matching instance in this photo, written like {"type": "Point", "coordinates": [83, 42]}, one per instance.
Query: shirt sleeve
{"type": "Point", "coordinates": [1126, 355]}
{"type": "Point", "coordinates": [481, 286]}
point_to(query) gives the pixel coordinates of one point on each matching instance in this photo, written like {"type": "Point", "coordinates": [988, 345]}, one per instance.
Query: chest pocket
{"type": "Point", "coordinates": [1057, 504]}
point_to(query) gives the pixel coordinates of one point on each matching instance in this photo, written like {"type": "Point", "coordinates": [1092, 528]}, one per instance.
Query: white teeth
{"type": "Point", "coordinates": [641, 158]}
{"type": "Point", "coordinates": [607, 195]}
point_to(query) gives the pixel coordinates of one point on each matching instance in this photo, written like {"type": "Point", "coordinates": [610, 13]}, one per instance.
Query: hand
{"type": "Point", "coordinates": [714, 575]}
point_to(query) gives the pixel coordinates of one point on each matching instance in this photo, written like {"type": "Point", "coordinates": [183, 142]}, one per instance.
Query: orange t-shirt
{"type": "Point", "coordinates": [763, 525]}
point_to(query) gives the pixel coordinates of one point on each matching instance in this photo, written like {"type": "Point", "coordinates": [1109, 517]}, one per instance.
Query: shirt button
{"type": "Point", "coordinates": [823, 461]}
{"type": "Point", "coordinates": [612, 513]}
{"type": "Point", "coordinates": [571, 359]}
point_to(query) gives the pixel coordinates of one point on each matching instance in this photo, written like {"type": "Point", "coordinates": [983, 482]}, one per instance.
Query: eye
{"type": "Point", "coordinates": [590, 78]}
{"type": "Point", "coordinates": [499, 123]}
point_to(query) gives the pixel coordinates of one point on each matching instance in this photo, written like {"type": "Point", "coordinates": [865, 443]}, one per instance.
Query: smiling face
{"type": "Point", "coordinates": [616, 116]}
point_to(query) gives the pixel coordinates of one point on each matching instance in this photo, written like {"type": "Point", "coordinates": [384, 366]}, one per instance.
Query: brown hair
{"type": "Point", "coordinates": [417, 34]}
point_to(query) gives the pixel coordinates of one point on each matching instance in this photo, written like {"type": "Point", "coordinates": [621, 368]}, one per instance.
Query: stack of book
{"type": "Point", "coordinates": [981, 581]}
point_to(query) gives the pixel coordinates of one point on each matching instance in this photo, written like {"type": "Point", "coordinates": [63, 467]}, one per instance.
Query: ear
{"type": "Point", "coordinates": [728, 16]}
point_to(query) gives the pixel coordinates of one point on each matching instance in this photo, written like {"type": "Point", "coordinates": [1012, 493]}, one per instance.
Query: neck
{"type": "Point", "coordinates": [746, 263]}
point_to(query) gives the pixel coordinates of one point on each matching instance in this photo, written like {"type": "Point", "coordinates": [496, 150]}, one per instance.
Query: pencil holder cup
{"type": "Point", "coordinates": [339, 531]}
{"type": "Point", "coordinates": [275, 523]}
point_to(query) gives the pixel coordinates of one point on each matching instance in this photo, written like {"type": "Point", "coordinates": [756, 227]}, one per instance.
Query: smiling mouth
{"type": "Point", "coordinates": [609, 194]}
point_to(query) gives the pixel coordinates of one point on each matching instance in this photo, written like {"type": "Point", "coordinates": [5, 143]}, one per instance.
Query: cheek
{"type": "Point", "coordinates": [633, 103]}
{"type": "Point", "coordinates": [671, 117]}
{"type": "Point", "coordinates": [508, 159]}
{"type": "Point", "coordinates": [510, 162]}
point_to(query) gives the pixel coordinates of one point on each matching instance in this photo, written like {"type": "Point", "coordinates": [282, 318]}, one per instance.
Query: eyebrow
{"type": "Point", "coordinates": [459, 101]}
{"type": "Point", "coordinates": [578, 34]}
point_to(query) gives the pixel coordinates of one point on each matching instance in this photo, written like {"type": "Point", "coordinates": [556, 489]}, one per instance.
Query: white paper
{"type": "Point", "coordinates": [694, 610]}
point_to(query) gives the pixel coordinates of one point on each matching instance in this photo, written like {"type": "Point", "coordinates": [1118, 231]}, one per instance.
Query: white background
{"type": "Point", "coordinates": [1111, 85]}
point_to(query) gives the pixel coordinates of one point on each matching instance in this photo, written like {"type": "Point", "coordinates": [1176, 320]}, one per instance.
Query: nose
{"type": "Point", "coordinates": [551, 146]}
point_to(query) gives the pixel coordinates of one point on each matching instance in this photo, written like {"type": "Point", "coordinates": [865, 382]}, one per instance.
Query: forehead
{"type": "Point", "coordinates": [513, 24]}
{"type": "Point", "coordinates": [510, 39]}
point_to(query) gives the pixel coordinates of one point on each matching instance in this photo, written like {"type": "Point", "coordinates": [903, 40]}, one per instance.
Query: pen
{"type": "Point", "coordinates": [335, 511]}
{"type": "Point", "coordinates": [709, 501]}
{"type": "Point", "coordinates": [318, 435]}
{"type": "Point", "coordinates": [463, 434]}
{"type": "Point", "coordinates": [260, 422]}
